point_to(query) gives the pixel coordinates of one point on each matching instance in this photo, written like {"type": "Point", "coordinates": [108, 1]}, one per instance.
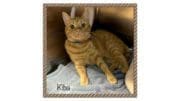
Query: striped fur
{"type": "Point", "coordinates": [100, 47]}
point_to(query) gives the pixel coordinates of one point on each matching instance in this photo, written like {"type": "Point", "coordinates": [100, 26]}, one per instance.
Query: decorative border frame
{"type": "Point", "coordinates": [45, 5]}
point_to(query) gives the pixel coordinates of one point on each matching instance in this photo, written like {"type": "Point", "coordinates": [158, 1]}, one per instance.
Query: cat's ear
{"type": "Point", "coordinates": [66, 18]}
{"type": "Point", "coordinates": [89, 15]}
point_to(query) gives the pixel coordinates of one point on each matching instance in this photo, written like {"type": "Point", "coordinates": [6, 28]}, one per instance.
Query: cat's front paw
{"type": "Point", "coordinates": [112, 79]}
{"type": "Point", "coordinates": [84, 81]}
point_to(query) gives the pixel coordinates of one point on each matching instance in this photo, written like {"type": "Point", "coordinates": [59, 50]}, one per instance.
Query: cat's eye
{"type": "Point", "coordinates": [83, 24]}
{"type": "Point", "coordinates": [72, 26]}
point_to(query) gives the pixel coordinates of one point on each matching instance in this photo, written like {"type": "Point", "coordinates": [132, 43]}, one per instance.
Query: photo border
{"type": "Point", "coordinates": [45, 5]}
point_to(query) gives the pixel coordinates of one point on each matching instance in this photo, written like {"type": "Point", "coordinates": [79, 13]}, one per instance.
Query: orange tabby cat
{"type": "Point", "coordinates": [99, 47]}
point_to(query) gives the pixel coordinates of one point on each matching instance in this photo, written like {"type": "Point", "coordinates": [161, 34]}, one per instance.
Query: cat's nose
{"type": "Point", "coordinates": [78, 30]}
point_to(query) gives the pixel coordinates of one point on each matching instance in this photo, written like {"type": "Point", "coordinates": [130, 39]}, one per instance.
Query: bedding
{"type": "Point", "coordinates": [65, 80]}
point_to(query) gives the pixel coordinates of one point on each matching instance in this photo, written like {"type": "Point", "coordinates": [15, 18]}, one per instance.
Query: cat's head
{"type": "Point", "coordinates": [78, 29]}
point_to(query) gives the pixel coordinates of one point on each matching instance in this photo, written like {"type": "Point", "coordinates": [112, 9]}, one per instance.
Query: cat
{"type": "Point", "coordinates": [100, 47]}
